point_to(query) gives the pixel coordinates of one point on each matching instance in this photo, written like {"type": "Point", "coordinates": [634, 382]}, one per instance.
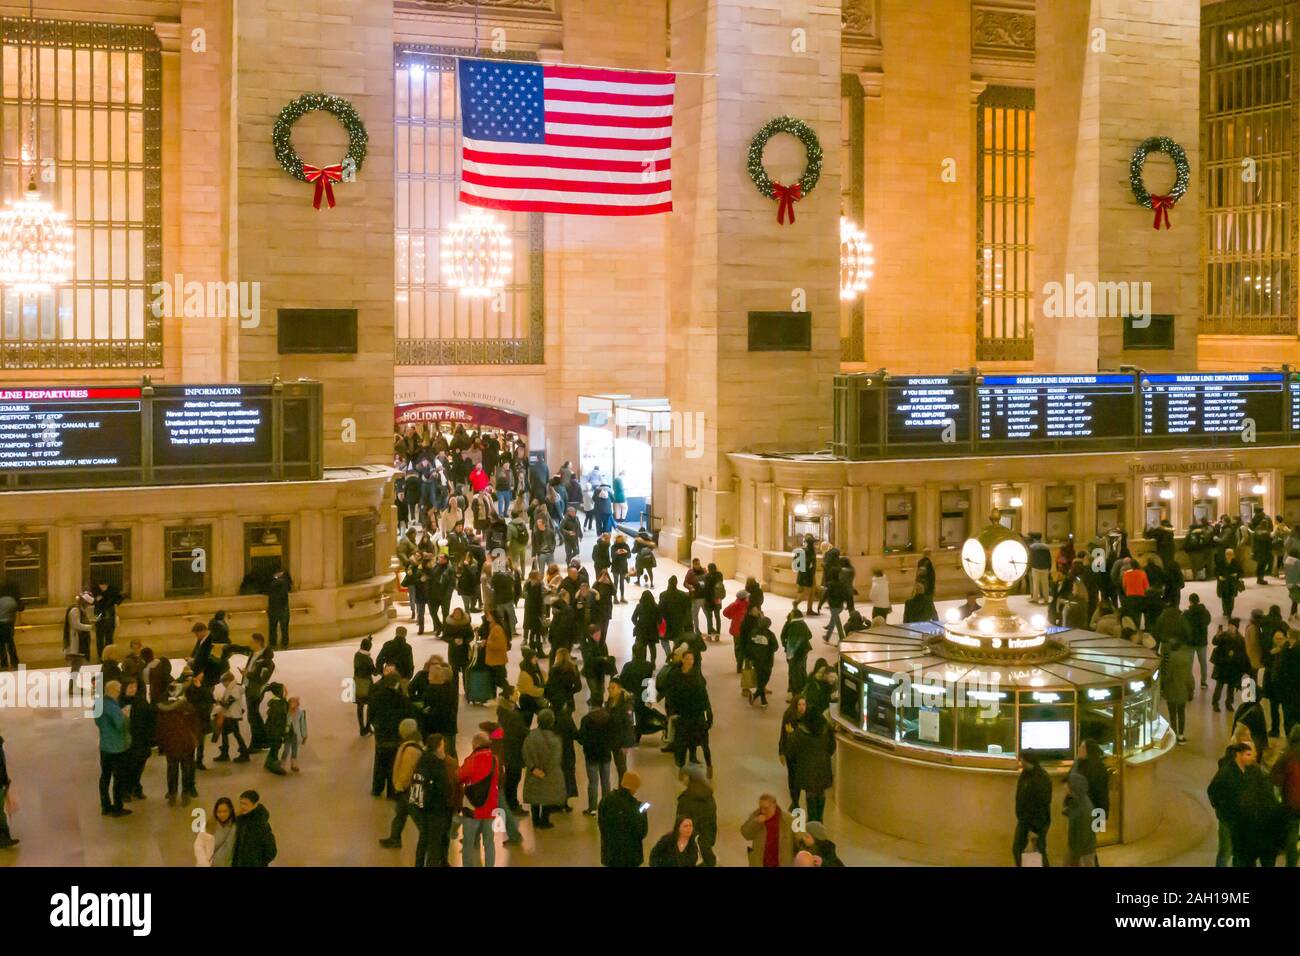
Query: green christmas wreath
{"type": "Point", "coordinates": [292, 163]}
{"type": "Point", "coordinates": [785, 195]}
{"type": "Point", "coordinates": [1160, 203]}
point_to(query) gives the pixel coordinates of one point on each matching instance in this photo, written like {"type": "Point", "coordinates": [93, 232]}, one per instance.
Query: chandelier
{"type": "Point", "coordinates": [856, 261]}
{"type": "Point", "coordinates": [476, 255]}
{"type": "Point", "coordinates": [36, 249]}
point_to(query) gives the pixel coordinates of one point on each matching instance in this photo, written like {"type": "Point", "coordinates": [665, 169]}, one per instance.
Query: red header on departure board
{"type": "Point", "coordinates": [64, 394]}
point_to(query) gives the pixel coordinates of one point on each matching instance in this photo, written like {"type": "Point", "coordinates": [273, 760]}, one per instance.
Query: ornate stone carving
{"type": "Point", "coordinates": [858, 18]}
{"type": "Point", "coordinates": [1002, 31]}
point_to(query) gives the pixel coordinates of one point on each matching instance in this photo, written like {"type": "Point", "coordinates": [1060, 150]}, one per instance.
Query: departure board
{"type": "Point", "coordinates": [212, 425]}
{"type": "Point", "coordinates": [47, 429]}
{"type": "Point", "coordinates": [929, 410]}
{"type": "Point", "coordinates": [1213, 403]}
{"type": "Point", "coordinates": [1035, 408]}
{"type": "Point", "coordinates": [1295, 408]}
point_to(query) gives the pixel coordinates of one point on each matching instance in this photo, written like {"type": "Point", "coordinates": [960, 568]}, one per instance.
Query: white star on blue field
{"type": "Point", "coordinates": [502, 101]}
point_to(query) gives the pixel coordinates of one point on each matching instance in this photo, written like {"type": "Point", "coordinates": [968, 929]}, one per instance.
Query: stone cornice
{"type": "Point", "coordinates": [1002, 32]}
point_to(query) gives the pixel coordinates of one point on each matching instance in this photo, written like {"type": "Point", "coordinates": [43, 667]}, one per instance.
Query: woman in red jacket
{"type": "Point", "coordinates": [735, 612]}
{"type": "Point", "coordinates": [478, 479]}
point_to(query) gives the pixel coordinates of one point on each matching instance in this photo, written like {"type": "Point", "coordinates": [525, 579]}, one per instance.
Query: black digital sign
{"type": "Point", "coordinates": [927, 410]}
{"type": "Point", "coordinates": [144, 434]}
{"type": "Point", "coordinates": [212, 424]}
{"type": "Point", "coordinates": [51, 429]}
{"type": "Point", "coordinates": [1207, 404]}
{"type": "Point", "coordinates": [1032, 408]}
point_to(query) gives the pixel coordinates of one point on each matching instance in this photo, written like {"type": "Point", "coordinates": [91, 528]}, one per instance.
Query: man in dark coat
{"type": "Point", "coordinates": [388, 708]}
{"type": "Point", "coordinates": [623, 824]}
{"type": "Point", "coordinates": [675, 609]}
{"type": "Point", "coordinates": [277, 606]}
{"type": "Point", "coordinates": [398, 653]}
{"type": "Point", "coordinates": [254, 841]}
{"type": "Point", "coordinates": [1033, 806]}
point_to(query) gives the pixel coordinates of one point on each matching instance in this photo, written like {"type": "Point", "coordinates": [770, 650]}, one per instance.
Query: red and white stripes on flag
{"type": "Point", "coordinates": [591, 141]}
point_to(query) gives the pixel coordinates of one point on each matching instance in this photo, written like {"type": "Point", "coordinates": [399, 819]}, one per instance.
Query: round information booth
{"type": "Point", "coordinates": [934, 717]}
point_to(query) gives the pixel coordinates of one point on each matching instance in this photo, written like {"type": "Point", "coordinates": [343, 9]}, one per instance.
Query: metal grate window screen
{"type": "Point", "coordinates": [98, 158]}
{"type": "Point", "coordinates": [1249, 112]}
{"type": "Point", "coordinates": [1004, 207]}
{"type": "Point", "coordinates": [436, 325]}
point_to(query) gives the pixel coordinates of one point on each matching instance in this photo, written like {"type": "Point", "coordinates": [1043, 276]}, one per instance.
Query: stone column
{"type": "Point", "coordinates": [1111, 73]}
{"type": "Point", "coordinates": [920, 181]}
{"type": "Point", "coordinates": [728, 256]}
{"type": "Point", "coordinates": [327, 258]}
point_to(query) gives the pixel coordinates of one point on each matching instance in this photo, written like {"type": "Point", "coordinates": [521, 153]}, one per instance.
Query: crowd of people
{"type": "Point", "coordinates": [479, 562]}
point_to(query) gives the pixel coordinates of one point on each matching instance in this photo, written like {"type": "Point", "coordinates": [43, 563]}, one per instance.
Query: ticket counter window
{"type": "Point", "coordinates": [1010, 503]}
{"type": "Point", "coordinates": [1099, 721]}
{"type": "Point", "coordinates": [954, 518]}
{"type": "Point", "coordinates": [189, 557]}
{"type": "Point", "coordinates": [266, 550]}
{"type": "Point", "coordinates": [1291, 499]}
{"type": "Point", "coordinates": [1157, 502]}
{"type": "Point", "coordinates": [22, 566]}
{"type": "Point", "coordinates": [925, 716]}
{"type": "Point", "coordinates": [1143, 725]}
{"type": "Point", "coordinates": [1058, 524]}
{"type": "Point", "coordinates": [106, 559]}
{"type": "Point", "coordinates": [986, 721]}
{"type": "Point", "coordinates": [899, 522]}
{"type": "Point", "coordinates": [1205, 499]}
{"type": "Point", "coordinates": [808, 515]}
{"type": "Point", "coordinates": [1251, 491]}
{"type": "Point", "coordinates": [1112, 498]}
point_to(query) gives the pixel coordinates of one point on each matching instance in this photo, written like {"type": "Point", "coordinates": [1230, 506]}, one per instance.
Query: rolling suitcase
{"type": "Point", "coordinates": [478, 685]}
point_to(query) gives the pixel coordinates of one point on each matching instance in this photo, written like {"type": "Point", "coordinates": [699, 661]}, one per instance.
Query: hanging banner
{"type": "Point", "coordinates": [459, 413]}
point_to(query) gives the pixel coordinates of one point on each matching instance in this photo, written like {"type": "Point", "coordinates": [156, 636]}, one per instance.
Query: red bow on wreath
{"type": "Point", "coordinates": [786, 196]}
{"type": "Point", "coordinates": [1161, 205]}
{"type": "Point", "coordinates": [323, 177]}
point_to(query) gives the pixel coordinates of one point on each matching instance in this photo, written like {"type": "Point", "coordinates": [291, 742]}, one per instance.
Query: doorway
{"type": "Point", "coordinates": [691, 518]}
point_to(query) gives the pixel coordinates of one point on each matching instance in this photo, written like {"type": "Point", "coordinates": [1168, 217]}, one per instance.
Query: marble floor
{"type": "Point", "coordinates": [325, 815]}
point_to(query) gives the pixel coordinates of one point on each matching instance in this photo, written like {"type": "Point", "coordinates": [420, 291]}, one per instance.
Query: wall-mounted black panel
{"type": "Point", "coordinates": [780, 331]}
{"type": "Point", "coordinates": [316, 331]}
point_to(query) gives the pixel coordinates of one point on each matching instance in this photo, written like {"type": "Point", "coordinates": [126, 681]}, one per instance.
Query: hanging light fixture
{"type": "Point", "coordinates": [36, 249]}
{"type": "Point", "coordinates": [476, 255]}
{"type": "Point", "coordinates": [856, 261]}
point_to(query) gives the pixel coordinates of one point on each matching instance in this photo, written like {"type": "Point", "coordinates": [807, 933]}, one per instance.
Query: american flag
{"type": "Point", "coordinates": [566, 139]}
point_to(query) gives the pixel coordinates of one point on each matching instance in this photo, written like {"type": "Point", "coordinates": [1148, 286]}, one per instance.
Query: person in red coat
{"type": "Point", "coordinates": [478, 479]}
{"type": "Point", "coordinates": [480, 775]}
{"type": "Point", "coordinates": [178, 728]}
{"type": "Point", "coordinates": [735, 612]}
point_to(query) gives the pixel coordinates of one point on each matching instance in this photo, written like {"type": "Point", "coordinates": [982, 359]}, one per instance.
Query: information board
{"type": "Point", "coordinates": [928, 410]}
{"type": "Point", "coordinates": [1029, 408]}
{"type": "Point", "coordinates": [47, 429]}
{"type": "Point", "coordinates": [1213, 403]}
{"type": "Point", "coordinates": [212, 424]}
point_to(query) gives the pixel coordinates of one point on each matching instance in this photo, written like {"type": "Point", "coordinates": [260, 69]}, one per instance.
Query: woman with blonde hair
{"type": "Point", "coordinates": [563, 682]}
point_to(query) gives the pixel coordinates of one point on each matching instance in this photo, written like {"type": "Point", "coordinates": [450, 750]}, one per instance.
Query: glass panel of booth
{"type": "Point", "coordinates": [1111, 501]}
{"type": "Point", "coordinates": [900, 524]}
{"type": "Point", "coordinates": [106, 558]}
{"type": "Point", "coordinates": [809, 513]}
{"type": "Point", "coordinates": [954, 517]}
{"type": "Point", "coordinates": [189, 551]}
{"type": "Point", "coordinates": [23, 567]}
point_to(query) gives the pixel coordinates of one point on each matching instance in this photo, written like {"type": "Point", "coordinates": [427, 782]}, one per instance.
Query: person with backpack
{"type": "Point", "coordinates": [760, 650]}
{"type": "Point", "coordinates": [432, 800]}
{"type": "Point", "coordinates": [796, 641]}
{"type": "Point", "coordinates": [409, 753]}
{"type": "Point", "coordinates": [480, 775]}
{"type": "Point", "coordinates": [277, 727]}
{"type": "Point", "coordinates": [619, 554]}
